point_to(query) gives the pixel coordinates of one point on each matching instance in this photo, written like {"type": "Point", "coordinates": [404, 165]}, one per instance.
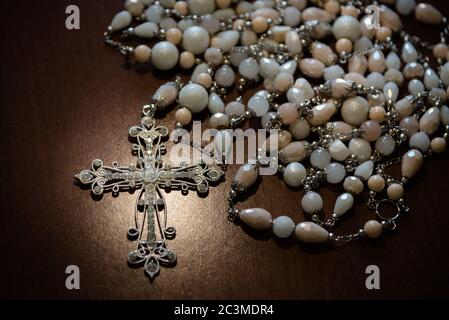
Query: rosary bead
{"type": "Point", "coordinates": [410, 124]}
{"type": "Point", "coordinates": [312, 202]}
{"type": "Point", "coordinates": [371, 130]}
{"type": "Point", "coordinates": [154, 13]}
{"type": "Point", "coordinates": [376, 80]}
{"type": "Point", "coordinates": [142, 53]}
{"type": "Point", "coordinates": [389, 18]}
{"type": "Point", "coordinates": [395, 191]}
{"type": "Point", "coordinates": [404, 107]}
{"type": "Point", "coordinates": [430, 120]}
{"type": "Point", "coordinates": [416, 87]}
{"type": "Point", "coordinates": [269, 68]}
{"type": "Point", "coordinates": [292, 16]}
{"type": "Point", "coordinates": [392, 61]}
{"type": "Point", "coordinates": [165, 95]}
{"type": "Point", "coordinates": [341, 127]}
{"type": "Point", "coordinates": [249, 68]}
{"type": "Point", "coordinates": [373, 229]}
{"type": "Point", "coordinates": [134, 7]}
{"type": "Point", "coordinates": [320, 158]}
{"type": "Point", "coordinates": [322, 113]}
{"type": "Point", "coordinates": [438, 145]}
{"type": "Point", "coordinates": [256, 218]}
{"type": "Point", "coordinates": [174, 35]}
{"type": "Point", "coordinates": [383, 33]}
{"type": "Point", "coordinates": [376, 183]}
{"type": "Point", "coordinates": [294, 173]}
{"type": "Point", "coordinates": [213, 56]}
{"type": "Point", "coordinates": [355, 110]}
{"type": "Point", "coordinates": [194, 97]}
{"type": "Point", "coordinates": [338, 150]}
{"type": "Point", "coordinates": [353, 184]}
{"type": "Point", "coordinates": [314, 13]}
{"type": "Point", "coordinates": [294, 151]}
{"type": "Point", "coordinates": [409, 53]}
{"type": "Point", "coordinates": [343, 204]}
{"type": "Point", "coordinates": [391, 91]}
{"type": "Point", "coordinates": [300, 129]}
{"type": "Point", "coordinates": [312, 68]}
{"type": "Point", "coordinates": [121, 20]}
{"type": "Point", "coordinates": [365, 170]}
{"type": "Point", "coordinates": [431, 79]}
{"type": "Point", "coordinates": [215, 104]}
{"type": "Point", "coordinates": [395, 76]}
{"type": "Point", "coordinates": [360, 148]}
{"type": "Point", "coordinates": [358, 64]}
{"type": "Point", "coordinates": [405, 7]}
{"type": "Point", "coordinates": [343, 45]}
{"type": "Point", "coordinates": [310, 232]}
{"type": "Point", "coordinates": [225, 76]}
{"type": "Point", "coordinates": [336, 172]}
{"type": "Point", "coordinates": [322, 52]}
{"type": "Point", "coordinates": [346, 27]}
{"type": "Point", "coordinates": [283, 227]}
{"type": "Point", "coordinates": [146, 30]}
{"type": "Point", "coordinates": [201, 6]}
{"type": "Point", "coordinates": [385, 145]}
{"type": "Point", "coordinates": [227, 40]}
{"type": "Point", "coordinates": [195, 39]}
{"type": "Point", "coordinates": [246, 176]}
{"type": "Point", "coordinates": [376, 61]}
{"type": "Point", "coordinates": [377, 114]}
{"type": "Point", "coordinates": [427, 13]}
{"type": "Point", "coordinates": [283, 81]}
{"type": "Point", "coordinates": [164, 55]}
{"type": "Point", "coordinates": [420, 140]}
{"type": "Point", "coordinates": [293, 42]}
{"type": "Point", "coordinates": [332, 6]}
{"type": "Point", "coordinates": [412, 161]}
{"type": "Point", "coordinates": [183, 116]}
{"type": "Point", "coordinates": [289, 67]}
{"type": "Point", "coordinates": [288, 113]}
{"type": "Point", "coordinates": [259, 24]}
{"type": "Point", "coordinates": [187, 60]}
{"type": "Point", "coordinates": [235, 108]}
{"type": "Point", "coordinates": [204, 79]}
{"type": "Point", "coordinates": [333, 72]}
{"type": "Point", "coordinates": [259, 105]}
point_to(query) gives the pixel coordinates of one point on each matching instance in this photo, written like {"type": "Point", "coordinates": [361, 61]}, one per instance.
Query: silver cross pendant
{"type": "Point", "coordinates": [151, 176]}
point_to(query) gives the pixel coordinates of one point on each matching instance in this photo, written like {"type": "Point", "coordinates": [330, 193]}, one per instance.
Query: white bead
{"type": "Point", "coordinates": [259, 105]}
{"type": "Point", "coordinates": [373, 229]}
{"type": "Point", "coordinates": [289, 67]}
{"type": "Point", "coordinates": [246, 176]}
{"type": "Point", "coordinates": [430, 120]}
{"type": "Point", "coordinates": [194, 97]}
{"type": "Point", "coordinates": [216, 104]}
{"type": "Point", "coordinates": [295, 95]}
{"type": "Point", "coordinates": [360, 148]}
{"type": "Point", "coordinates": [195, 39]}
{"type": "Point", "coordinates": [355, 110]}
{"type": "Point", "coordinates": [211, 23]}
{"type": "Point", "coordinates": [294, 173]}
{"type": "Point", "coordinates": [376, 80]}
{"type": "Point", "coordinates": [343, 204]}
{"type": "Point", "coordinates": [409, 53]}
{"type": "Point", "coordinates": [146, 30]}
{"type": "Point", "coordinates": [376, 61]}
{"type": "Point", "coordinates": [411, 162]}
{"type": "Point", "coordinates": [199, 69]}
{"type": "Point", "coordinates": [312, 202]}
{"type": "Point", "coordinates": [385, 145]}
{"type": "Point", "coordinates": [420, 140]}
{"type": "Point", "coordinates": [431, 79]}
{"type": "Point", "coordinates": [266, 118]}
{"type": "Point", "coordinates": [391, 91]}
{"type": "Point", "coordinates": [249, 68]}
{"type": "Point", "coordinates": [336, 172]}
{"type": "Point", "coordinates": [320, 158]}
{"type": "Point", "coordinates": [306, 88]}
{"type": "Point", "coordinates": [269, 68]}
{"type": "Point", "coordinates": [228, 39]}
{"type": "Point", "coordinates": [154, 13]}
{"type": "Point", "coordinates": [293, 42]}
{"type": "Point", "coordinates": [310, 232]}
{"type": "Point", "coordinates": [415, 87]}
{"type": "Point", "coordinates": [444, 115]}
{"type": "Point", "coordinates": [164, 55]}
{"type": "Point", "coordinates": [256, 218]}
{"type": "Point", "coordinates": [223, 143]}
{"type": "Point", "coordinates": [225, 76]}
{"type": "Point", "coordinates": [292, 16]}
{"type": "Point", "coordinates": [393, 61]}
{"type": "Point", "coordinates": [219, 120]}
{"type": "Point", "coordinates": [405, 7]}
{"type": "Point", "coordinates": [444, 74]}
{"type": "Point", "coordinates": [283, 226]}
{"type": "Point", "coordinates": [353, 184]}
{"type": "Point", "coordinates": [300, 129]}
{"type": "Point", "coordinates": [166, 94]}
{"type": "Point", "coordinates": [338, 150]}
{"type": "Point", "coordinates": [333, 72]}
{"type": "Point", "coordinates": [121, 20]}
{"type": "Point", "coordinates": [201, 6]}
{"type": "Point", "coordinates": [365, 170]}
{"type": "Point", "coordinates": [346, 27]}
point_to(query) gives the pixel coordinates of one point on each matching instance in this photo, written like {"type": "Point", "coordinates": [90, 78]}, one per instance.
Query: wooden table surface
{"type": "Point", "coordinates": [66, 99]}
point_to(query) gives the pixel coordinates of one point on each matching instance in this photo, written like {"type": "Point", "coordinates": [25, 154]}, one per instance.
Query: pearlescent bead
{"type": "Point", "coordinates": [365, 170]}
{"type": "Point", "coordinates": [393, 61]}
{"type": "Point", "coordinates": [164, 55]}
{"type": "Point", "coordinates": [215, 104]}
{"type": "Point", "coordinates": [249, 68]}
{"type": "Point", "coordinates": [377, 114]}
{"type": "Point", "coordinates": [227, 40]}
{"type": "Point", "coordinates": [353, 184]}
{"type": "Point", "coordinates": [373, 229]}
{"type": "Point", "coordinates": [322, 113]}
{"type": "Point", "coordinates": [376, 80]}
{"type": "Point", "coordinates": [289, 67]}
{"type": "Point", "coordinates": [346, 27]}
{"type": "Point", "coordinates": [174, 35]}
{"type": "Point", "coordinates": [395, 191]}
{"type": "Point", "coordinates": [371, 130]}
{"type": "Point", "coordinates": [223, 142]}
{"type": "Point", "coordinates": [376, 183]}
{"type": "Point", "coordinates": [142, 53]}
{"type": "Point", "coordinates": [405, 7]}
{"type": "Point", "coordinates": [409, 53]}
{"type": "Point", "coordinates": [310, 232]}
{"type": "Point", "coordinates": [419, 140]}
{"type": "Point", "coordinates": [333, 72]}
{"type": "Point", "coordinates": [430, 120]}
{"type": "Point", "coordinates": [283, 81]}
{"type": "Point", "coordinates": [293, 42]}
{"type": "Point", "coordinates": [427, 13]}
{"type": "Point", "coordinates": [322, 52]}
{"type": "Point", "coordinates": [336, 172]}
{"type": "Point", "coordinates": [412, 161]}
{"type": "Point", "coordinates": [413, 70]}
{"type": "Point", "coordinates": [259, 105]}
{"type": "Point", "coordinates": [394, 75]}
{"type": "Point", "coordinates": [246, 176]}
{"type": "Point", "coordinates": [213, 56]}
{"type": "Point", "coordinates": [201, 6]}
{"type": "Point", "coordinates": [183, 116]}
{"type": "Point", "coordinates": [283, 227]}
{"type": "Point", "coordinates": [320, 158]}
{"type": "Point", "coordinates": [294, 173]}
{"type": "Point", "coordinates": [389, 18]}
{"type": "Point", "coordinates": [343, 45]}
{"type": "Point", "coordinates": [343, 204]}
{"type": "Point", "coordinates": [376, 61]}
{"type": "Point", "coordinates": [357, 64]}
{"type": "Point", "coordinates": [225, 76]}
{"type": "Point", "coordinates": [194, 97]}
{"type": "Point", "coordinates": [187, 61]}
{"type": "Point", "coordinates": [292, 16]}
{"type": "Point", "coordinates": [404, 107]}
{"type": "Point", "coordinates": [385, 145]}
{"type": "Point", "coordinates": [266, 119]}
{"type": "Point", "coordinates": [312, 68]}
{"type": "Point", "coordinates": [338, 150]}
{"type": "Point", "coordinates": [300, 129]}
{"type": "Point", "coordinates": [391, 91]}
{"type": "Point", "coordinates": [314, 13]}
{"type": "Point", "coordinates": [355, 110]}
{"type": "Point", "coordinates": [121, 20]}
{"type": "Point", "coordinates": [294, 151]}
{"type": "Point", "coordinates": [146, 30]}
{"type": "Point", "coordinates": [219, 120]}
{"type": "Point", "coordinates": [154, 13]}
{"type": "Point", "coordinates": [211, 23]}
{"type": "Point", "coordinates": [269, 68]}
{"type": "Point", "coordinates": [339, 127]}
{"type": "Point", "coordinates": [340, 88]}
{"type": "Point", "coordinates": [195, 39]}
{"type": "Point", "coordinates": [431, 79]}
{"type": "Point", "coordinates": [438, 145]}
{"type": "Point", "coordinates": [444, 115]}
{"type": "Point", "coordinates": [410, 124]}
{"type": "Point", "coordinates": [288, 112]}
{"type": "Point", "coordinates": [305, 87]}
{"type": "Point", "coordinates": [234, 108]}
{"type": "Point", "coordinates": [360, 148]}
{"type": "Point", "coordinates": [312, 202]}
{"type": "Point", "coordinates": [256, 218]}
{"type": "Point", "coordinates": [165, 95]}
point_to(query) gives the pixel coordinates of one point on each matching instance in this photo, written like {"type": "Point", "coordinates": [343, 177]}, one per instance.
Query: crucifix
{"type": "Point", "coordinates": [150, 175]}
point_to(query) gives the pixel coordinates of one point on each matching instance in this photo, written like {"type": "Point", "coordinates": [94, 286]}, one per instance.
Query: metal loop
{"type": "Point", "coordinates": [380, 202]}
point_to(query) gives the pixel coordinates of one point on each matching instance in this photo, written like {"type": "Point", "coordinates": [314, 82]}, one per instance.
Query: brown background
{"type": "Point", "coordinates": [66, 99]}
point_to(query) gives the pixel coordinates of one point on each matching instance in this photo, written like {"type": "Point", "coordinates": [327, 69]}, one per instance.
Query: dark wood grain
{"type": "Point", "coordinates": [67, 99]}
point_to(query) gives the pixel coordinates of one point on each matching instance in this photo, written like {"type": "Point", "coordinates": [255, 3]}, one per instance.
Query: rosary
{"type": "Point", "coordinates": [347, 90]}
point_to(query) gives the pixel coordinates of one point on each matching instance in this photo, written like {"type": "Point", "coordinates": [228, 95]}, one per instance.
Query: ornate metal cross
{"type": "Point", "coordinates": [149, 175]}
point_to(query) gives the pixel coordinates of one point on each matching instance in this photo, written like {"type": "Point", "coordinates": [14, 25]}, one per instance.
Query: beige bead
{"type": "Point", "coordinates": [389, 18]}
{"type": "Point", "coordinates": [376, 183]}
{"type": "Point", "coordinates": [310, 232]}
{"type": "Point", "coordinates": [440, 50]}
{"type": "Point", "coordinates": [314, 13]}
{"type": "Point", "coordinates": [339, 127]}
{"type": "Point", "coordinates": [438, 145]}
{"type": "Point", "coordinates": [283, 81]}
{"type": "Point", "coordinates": [294, 151]}
{"type": "Point", "coordinates": [186, 60]}
{"type": "Point", "coordinates": [238, 23]}
{"type": "Point", "coordinates": [373, 229]}
{"type": "Point", "coordinates": [411, 162]}
{"type": "Point", "coordinates": [142, 53]}
{"type": "Point", "coordinates": [383, 33]}
{"type": "Point", "coordinates": [430, 120]}
{"type": "Point", "coordinates": [343, 45]}
{"type": "Point", "coordinates": [256, 218]}
{"type": "Point", "coordinates": [377, 114]}
{"type": "Point", "coordinates": [395, 191]}
{"type": "Point", "coordinates": [183, 116]}
{"type": "Point", "coordinates": [322, 113]}
{"type": "Point", "coordinates": [371, 130]}
{"type": "Point", "coordinates": [332, 6]}
{"type": "Point", "coordinates": [246, 176]}
{"type": "Point", "coordinates": [349, 11]}
{"type": "Point", "coordinates": [288, 113]}
{"type": "Point", "coordinates": [222, 4]}
{"type": "Point", "coordinates": [174, 35]}
{"type": "Point", "coordinates": [204, 79]}
{"type": "Point", "coordinates": [312, 68]}
{"type": "Point", "coordinates": [259, 24]}
{"type": "Point", "coordinates": [322, 52]}
{"type": "Point", "coordinates": [182, 7]}
{"type": "Point", "coordinates": [427, 13]}
{"type": "Point", "coordinates": [353, 185]}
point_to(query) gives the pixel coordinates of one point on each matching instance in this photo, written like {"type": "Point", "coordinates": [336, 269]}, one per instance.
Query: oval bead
{"type": "Point", "coordinates": [364, 170]}
{"type": "Point", "coordinates": [343, 204]}
{"type": "Point", "coordinates": [322, 113]}
{"type": "Point", "coordinates": [411, 162]}
{"type": "Point", "coordinates": [427, 13]}
{"type": "Point", "coordinates": [246, 176]}
{"type": "Point", "coordinates": [121, 20]}
{"type": "Point", "coordinates": [336, 172]}
{"type": "Point", "coordinates": [430, 120]}
{"type": "Point", "coordinates": [310, 232]}
{"type": "Point", "coordinates": [294, 151]}
{"type": "Point", "coordinates": [256, 218]}
{"type": "Point", "coordinates": [338, 150]}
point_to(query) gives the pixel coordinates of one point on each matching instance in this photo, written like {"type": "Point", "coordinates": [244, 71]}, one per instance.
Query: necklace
{"type": "Point", "coordinates": [331, 127]}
